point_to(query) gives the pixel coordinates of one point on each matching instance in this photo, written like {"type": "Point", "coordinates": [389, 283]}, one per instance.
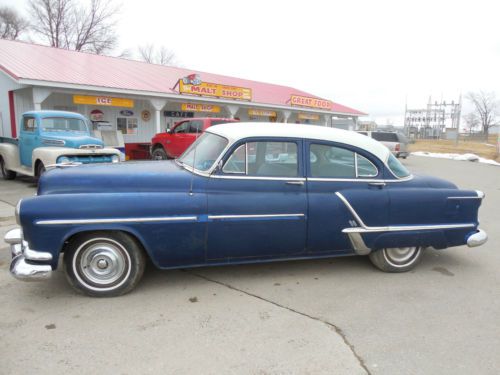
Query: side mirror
{"type": "Point", "coordinates": [168, 131]}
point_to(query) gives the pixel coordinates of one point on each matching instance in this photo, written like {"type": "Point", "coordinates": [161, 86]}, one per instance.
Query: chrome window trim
{"type": "Point", "coordinates": [220, 217]}
{"type": "Point", "coordinates": [267, 178]}
{"type": "Point", "coordinates": [117, 220]}
{"type": "Point", "coordinates": [355, 164]}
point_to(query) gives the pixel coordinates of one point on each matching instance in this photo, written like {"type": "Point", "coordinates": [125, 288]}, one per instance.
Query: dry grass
{"type": "Point", "coordinates": [477, 147]}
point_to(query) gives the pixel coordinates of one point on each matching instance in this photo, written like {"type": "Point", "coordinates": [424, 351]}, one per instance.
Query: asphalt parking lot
{"type": "Point", "coordinates": [336, 316]}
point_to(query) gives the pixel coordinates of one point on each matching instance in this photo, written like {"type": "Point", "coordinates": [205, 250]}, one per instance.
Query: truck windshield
{"type": "Point", "coordinates": [63, 124]}
{"type": "Point", "coordinates": [204, 151]}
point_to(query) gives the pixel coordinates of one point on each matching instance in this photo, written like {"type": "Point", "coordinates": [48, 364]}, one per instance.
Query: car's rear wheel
{"type": "Point", "coordinates": [396, 259]}
{"type": "Point", "coordinates": [159, 154]}
{"type": "Point", "coordinates": [6, 173]}
{"type": "Point", "coordinates": [104, 264]}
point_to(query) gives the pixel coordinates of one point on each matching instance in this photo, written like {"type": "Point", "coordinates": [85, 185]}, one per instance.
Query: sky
{"type": "Point", "coordinates": [374, 56]}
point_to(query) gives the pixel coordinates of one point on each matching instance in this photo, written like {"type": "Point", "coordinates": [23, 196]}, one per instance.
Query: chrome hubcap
{"type": "Point", "coordinates": [401, 256]}
{"type": "Point", "coordinates": [103, 263]}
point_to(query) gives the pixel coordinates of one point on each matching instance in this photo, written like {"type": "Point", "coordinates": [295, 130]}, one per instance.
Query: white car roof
{"type": "Point", "coordinates": [239, 130]}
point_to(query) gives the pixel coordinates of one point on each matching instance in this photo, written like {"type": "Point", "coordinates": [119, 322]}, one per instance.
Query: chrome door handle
{"type": "Point", "coordinates": [378, 184]}
{"type": "Point", "coordinates": [295, 183]}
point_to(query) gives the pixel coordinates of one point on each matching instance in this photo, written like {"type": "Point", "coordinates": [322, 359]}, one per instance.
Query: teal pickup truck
{"type": "Point", "coordinates": [51, 138]}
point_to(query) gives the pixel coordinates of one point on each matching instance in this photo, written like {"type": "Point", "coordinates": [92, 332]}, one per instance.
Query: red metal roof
{"type": "Point", "coordinates": [23, 60]}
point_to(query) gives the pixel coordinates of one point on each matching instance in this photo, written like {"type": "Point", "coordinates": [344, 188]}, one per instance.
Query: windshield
{"type": "Point", "coordinates": [63, 124]}
{"type": "Point", "coordinates": [396, 167]}
{"type": "Point", "coordinates": [204, 151]}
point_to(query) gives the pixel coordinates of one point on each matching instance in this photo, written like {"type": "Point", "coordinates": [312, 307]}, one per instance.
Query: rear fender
{"type": "Point", "coordinates": [10, 155]}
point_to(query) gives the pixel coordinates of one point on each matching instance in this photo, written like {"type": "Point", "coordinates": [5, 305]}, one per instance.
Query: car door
{"type": "Point", "coordinates": [28, 139]}
{"type": "Point", "coordinates": [339, 176]}
{"type": "Point", "coordinates": [257, 202]}
{"type": "Point", "coordinates": [178, 139]}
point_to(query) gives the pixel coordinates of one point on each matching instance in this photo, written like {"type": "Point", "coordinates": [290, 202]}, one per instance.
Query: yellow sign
{"type": "Point", "coordinates": [304, 101]}
{"type": "Point", "coordinates": [261, 112]}
{"type": "Point", "coordinates": [103, 100]}
{"type": "Point", "coordinates": [308, 116]}
{"type": "Point", "coordinates": [213, 89]}
{"type": "Point", "coordinates": [190, 107]}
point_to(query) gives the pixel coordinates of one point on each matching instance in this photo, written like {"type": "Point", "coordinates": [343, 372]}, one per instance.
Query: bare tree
{"type": "Point", "coordinates": [12, 25]}
{"type": "Point", "coordinates": [471, 121]}
{"type": "Point", "coordinates": [153, 55]}
{"type": "Point", "coordinates": [486, 109]}
{"type": "Point", "coordinates": [70, 25]}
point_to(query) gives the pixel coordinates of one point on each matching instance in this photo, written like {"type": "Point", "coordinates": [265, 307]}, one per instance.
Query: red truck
{"type": "Point", "coordinates": [175, 141]}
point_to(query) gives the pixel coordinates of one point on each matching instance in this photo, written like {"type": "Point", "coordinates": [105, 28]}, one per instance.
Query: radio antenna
{"type": "Point", "coordinates": [194, 162]}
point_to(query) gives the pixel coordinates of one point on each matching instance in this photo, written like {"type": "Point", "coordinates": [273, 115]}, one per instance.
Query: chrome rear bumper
{"type": "Point", "coordinates": [477, 239]}
{"type": "Point", "coordinates": [22, 254]}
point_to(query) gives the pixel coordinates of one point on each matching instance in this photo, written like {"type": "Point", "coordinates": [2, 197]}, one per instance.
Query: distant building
{"type": "Point", "coordinates": [140, 99]}
{"type": "Point", "coordinates": [432, 121]}
{"type": "Point", "coordinates": [367, 125]}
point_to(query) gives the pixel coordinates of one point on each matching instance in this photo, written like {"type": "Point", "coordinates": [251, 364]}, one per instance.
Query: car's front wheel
{"type": "Point", "coordinates": [104, 264]}
{"type": "Point", "coordinates": [396, 259]}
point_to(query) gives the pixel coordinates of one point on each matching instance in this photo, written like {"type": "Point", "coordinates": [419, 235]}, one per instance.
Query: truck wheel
{"type": "Point", "coordinates": [396, 259]}
{"type": "Point", "coordinates": [159, 154]}
{"type": "Point", "coordinates": [6, 174]}
{"type": "Point", "coordinates": [104, 264]}
{"type": "Point", "coordinates": [40, 169]}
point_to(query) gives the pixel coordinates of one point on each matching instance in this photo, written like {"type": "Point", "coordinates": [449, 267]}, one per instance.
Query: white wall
{"type": "Point", "coordinates": [6, 85]}
{"type": "Point", "coordinates": [145, 130]}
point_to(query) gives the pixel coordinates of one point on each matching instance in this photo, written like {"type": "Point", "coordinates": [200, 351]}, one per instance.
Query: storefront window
{"type": "Point", "coordinates": [127, 125]}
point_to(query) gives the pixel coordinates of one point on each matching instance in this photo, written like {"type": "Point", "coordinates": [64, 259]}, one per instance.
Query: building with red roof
{"type": "Point", "coordinates": [140, 99]}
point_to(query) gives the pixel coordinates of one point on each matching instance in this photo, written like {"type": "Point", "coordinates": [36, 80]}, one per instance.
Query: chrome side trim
{"type": "Point", "coordinates": [464, 197]}
{"type": "Point", "coordinates": [117, 220]}
{"type": "Point", "coordinates": [355, 233]}
{"type": "Point", "coordinates": [403, 228]}
{"type": "Point", "coordinates": [480, 194]}
{"type": "Point", "coordinates": [221, 217]}
{"type": "Point", "coordinates": [322, 179]}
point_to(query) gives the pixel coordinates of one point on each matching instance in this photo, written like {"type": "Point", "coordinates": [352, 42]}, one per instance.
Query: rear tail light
{"type": "Point", "coordinates": [398, 147]}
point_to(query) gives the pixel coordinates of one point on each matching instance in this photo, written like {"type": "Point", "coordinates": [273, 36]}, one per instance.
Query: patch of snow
{"type": "Point", "coordinates": [463, 157]}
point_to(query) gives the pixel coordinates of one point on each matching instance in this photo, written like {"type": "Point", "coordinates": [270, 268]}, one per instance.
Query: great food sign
{"type": "Point", "coordinates": [305, 101]}
{"type": "Point", "coordinates": [193, 85]}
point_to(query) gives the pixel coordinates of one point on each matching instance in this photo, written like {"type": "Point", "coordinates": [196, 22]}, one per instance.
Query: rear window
{"type": "Point", "coordinates": [385, 137]}
{"type": "Point", "coordinates": [396, 167]}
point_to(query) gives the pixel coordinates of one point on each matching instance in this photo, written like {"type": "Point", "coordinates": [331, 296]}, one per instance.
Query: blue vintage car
{"type": "Point", "coordinates": [242, 193]}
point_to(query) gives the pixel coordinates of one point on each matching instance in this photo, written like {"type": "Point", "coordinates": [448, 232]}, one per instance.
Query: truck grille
{"type": "Point", "coordinates": [91, 146]}
{"type": "Point", "coordinates": [88, 159]}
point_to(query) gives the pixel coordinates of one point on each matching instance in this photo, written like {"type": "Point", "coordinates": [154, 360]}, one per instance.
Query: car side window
{"type": "Point", "coordinates": [195, 126]}
{"type": "Point", "coordinates": [182, 128]}
{"type": "Point", "coordinates": [29, 124]}
{"type": "Point", "coordinates": [336, 162]}
{"type": "Point", "coordinates": [266, 159]}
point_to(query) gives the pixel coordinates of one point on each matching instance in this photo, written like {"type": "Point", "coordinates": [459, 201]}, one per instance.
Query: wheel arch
{"type": "Point", "coordinates": [77, 232]}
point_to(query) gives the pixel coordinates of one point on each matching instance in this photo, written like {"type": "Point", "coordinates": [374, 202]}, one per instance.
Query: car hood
{"type": "Point", "coordinates": [72, 139]}
{"type": "Point", "coordinates": [148, 176]}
